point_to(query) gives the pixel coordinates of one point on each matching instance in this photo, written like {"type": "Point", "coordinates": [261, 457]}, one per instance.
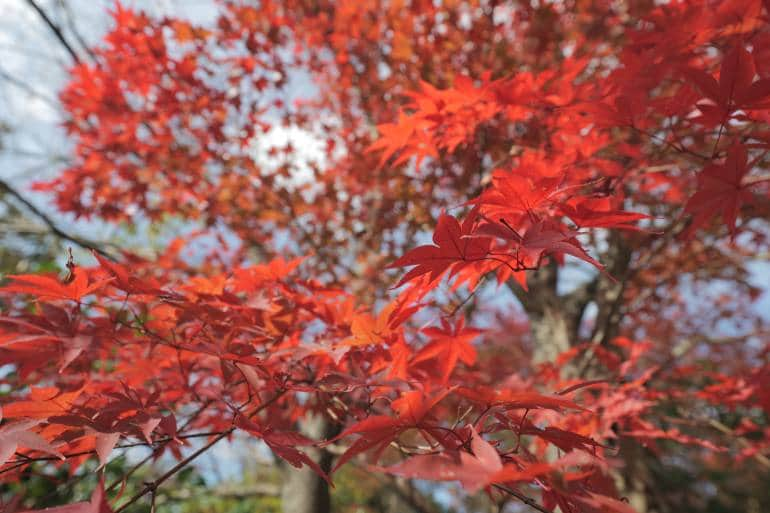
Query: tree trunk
{"type": "Point", "coordinates": [554, 324]}
{"type": "Point", "coordinates": [553, 319]}
{"type": "Point", "coordinates": [303, 491]}
{"type": "Point", "coordinates": [550, 334]}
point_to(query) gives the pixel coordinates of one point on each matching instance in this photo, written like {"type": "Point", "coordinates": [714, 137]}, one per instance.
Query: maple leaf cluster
{"type": "Point", "coordinates": [245, 358]}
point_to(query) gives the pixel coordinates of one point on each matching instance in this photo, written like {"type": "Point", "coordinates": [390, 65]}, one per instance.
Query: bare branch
{"type": "Point", "coordinates": [52, 226]}
{"type": "Point", "coordinates": [28, 89]}
{"type": "Point", "coordinates": [56, 30]}
{"type": "Point", "coordinates": [71, 24]}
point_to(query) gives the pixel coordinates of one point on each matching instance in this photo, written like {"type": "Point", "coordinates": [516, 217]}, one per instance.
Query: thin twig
{"type": "Point", "coordinates": [26, 459]}
{"type": "Point", "coordinates": [29, 89]}
{"type": "Point", "coordinates": [529, 501]}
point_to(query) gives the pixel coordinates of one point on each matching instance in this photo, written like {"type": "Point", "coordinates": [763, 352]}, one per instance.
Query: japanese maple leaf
{"type": "Point", "coordinates": [104, 444]}
{"type": "Point", "coordinates": [597, 213]}
{"type": "Point", "coordinates": [449, 344]}
{"type": "Point", "coordinates": [283, 444]}
{"type": "Point", "coordinates": [735, 89]}
{"type": "Point", "coordinates": [123, 280]}
{"type": "Point", "coordinates": [17, 434]}
{"type": "Point", "coordinates": [51, 288]}
{"type": "Point", "coordinates": [474, 470]}
{"type": "Point", "coordinates": [43, 402]}
{"type": "Point", "coordinates": [453, 244]}
{"type": "Point", "coordinates": [377, 431]}
{"type": "Point", "coordinates": [544, 237]}
{"type": "Point", "coordinates": [54, 325]}
{"type": "Point", "coordinates": [400, 353]}
{"type": "Point", "coordinates": [720, 191]}
{"type": "Point", "coordinates": [565, 440]}
{"type": "Point", "coordinates": [366, 329]}
{"type": "Point", "coordinates": [515, 192]}
{"type": "Point", "coordinates": [406, 136]}
{"type": "Point", "coordinates": [393, 137]}
{"type": "Point", "coordinates": [251, 279]}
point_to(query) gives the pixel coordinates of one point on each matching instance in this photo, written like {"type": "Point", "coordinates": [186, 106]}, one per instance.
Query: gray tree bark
{"type": "Point", "coordinates": [554, 326]}
{"type": "Point", "coordinates": [554, 319]}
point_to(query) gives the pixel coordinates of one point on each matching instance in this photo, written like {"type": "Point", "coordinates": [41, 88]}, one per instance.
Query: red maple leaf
{"type": "Point", "coordinates": [474, 470]}
{"type": "Point", "coordinates": [597, 213]}
{"type": "Point", "coordinates": [543, 237]}
{"type": "Point", "coordinates": [449, 344]}
{"type": "Point", "coordinates": [453, 244]}
{"type": "Point", "coordinates": [283, 444]}
{"type": "Point", "coordinates": [51, 288]}
{"type": "Point", "coordinates": [720, 191]}
{"type": "Point", "coordinates": [17, 434]}
{"type": "Point", "coordinates": [735, 89]}
{"type": "Point", "coordinates": [377, 431]}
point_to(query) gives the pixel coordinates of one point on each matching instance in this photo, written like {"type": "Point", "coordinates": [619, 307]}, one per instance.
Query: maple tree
{"type": "Point", "coordinates": [602, 165]}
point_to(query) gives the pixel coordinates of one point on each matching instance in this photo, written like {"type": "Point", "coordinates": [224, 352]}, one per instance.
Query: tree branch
{"type": "Point", "coordinates": [56, 30]}
{"type": "Point", "coordinates": [71, 23]}
{"type": "Point", "coordinates": [28, 89]}
{"type": "Point", "coordinates": [529, 501]}
{"type": "Point", "coordinates": [52, 227]}
{"type": "Point", "coordinates": [152, 486]}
